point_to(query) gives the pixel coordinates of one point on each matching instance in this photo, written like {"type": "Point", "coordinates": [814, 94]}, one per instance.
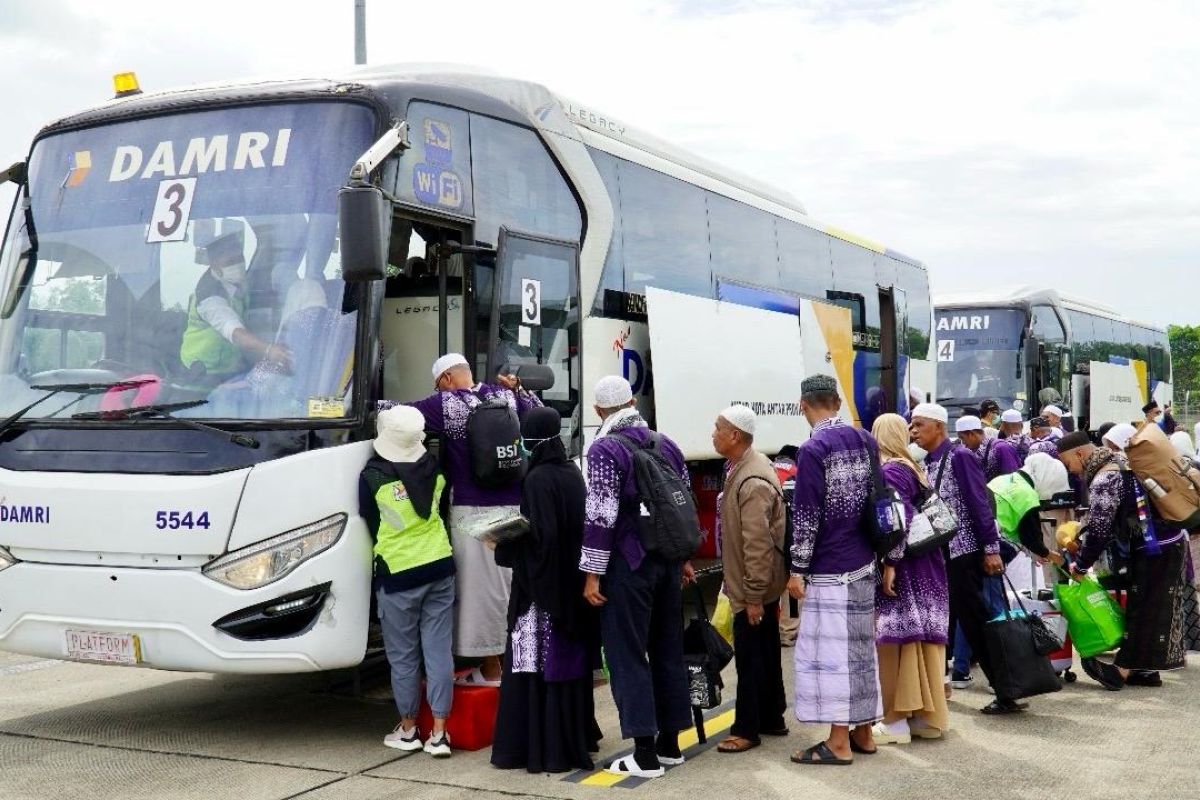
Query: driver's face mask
{"type": "Point", "coordinates": [233, 273]}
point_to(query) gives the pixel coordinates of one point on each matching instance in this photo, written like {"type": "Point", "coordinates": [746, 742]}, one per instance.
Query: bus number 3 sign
{"type": "Point", "coordinates": [531, 301]}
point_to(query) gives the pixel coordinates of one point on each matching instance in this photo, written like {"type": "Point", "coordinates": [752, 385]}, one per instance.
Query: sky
{"type": "Point", "coordinates": [1051, 143]}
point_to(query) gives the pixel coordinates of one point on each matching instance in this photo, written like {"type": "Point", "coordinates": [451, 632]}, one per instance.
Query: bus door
{"type": "Point", "coordinates": [422, 311]}
{"type": "Point", "coordinates": [535, 319]}
{"type": "Point", "coordinates": [889, 374]}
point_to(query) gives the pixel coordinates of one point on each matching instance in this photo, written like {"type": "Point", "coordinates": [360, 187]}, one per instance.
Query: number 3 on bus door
{"type": "Point", "coordinates": [172, 210]}
{"type": "Point", "coordinates": [531, 301]}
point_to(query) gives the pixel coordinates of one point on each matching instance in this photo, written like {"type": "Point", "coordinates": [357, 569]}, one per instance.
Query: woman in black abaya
{"type": "Point", "coordinates": [546, 720]}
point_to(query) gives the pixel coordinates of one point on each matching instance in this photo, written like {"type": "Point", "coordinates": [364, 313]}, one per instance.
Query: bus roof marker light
{"type": "Point", "coordinates": [125, 84]}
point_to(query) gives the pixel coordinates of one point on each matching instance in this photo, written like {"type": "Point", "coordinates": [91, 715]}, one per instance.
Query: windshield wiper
{"type": "Point", "coordinates": [163, 411]}
{"type": "Point", "coordinates": [82, 389]}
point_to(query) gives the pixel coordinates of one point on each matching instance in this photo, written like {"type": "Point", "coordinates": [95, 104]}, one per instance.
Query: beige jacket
{"type": "Point", "coordinates": [752, 533]}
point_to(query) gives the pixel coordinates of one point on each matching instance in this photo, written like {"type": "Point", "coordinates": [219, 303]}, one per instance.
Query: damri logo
{"type": "Point", "coordinates": [38, 515]}
{"type": "Point", "coordinates": [965, 323]}
{"type": "Point", "coordinates": [200, 155]}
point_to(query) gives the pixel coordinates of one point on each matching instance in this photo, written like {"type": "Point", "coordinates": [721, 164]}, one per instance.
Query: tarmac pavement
{"type": "Point", "coordinates": [83, 731]}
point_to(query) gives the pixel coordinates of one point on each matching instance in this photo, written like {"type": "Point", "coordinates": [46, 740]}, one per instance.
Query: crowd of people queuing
{"type": "Point", "coordinates": [577, 582]}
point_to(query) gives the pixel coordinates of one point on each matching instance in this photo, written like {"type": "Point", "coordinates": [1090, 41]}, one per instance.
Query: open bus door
{"type": "Point", "coordinates": [889, 374]}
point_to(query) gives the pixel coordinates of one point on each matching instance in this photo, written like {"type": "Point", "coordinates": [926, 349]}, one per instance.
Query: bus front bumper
{"type": "Point", "coordinates": [181, 620]}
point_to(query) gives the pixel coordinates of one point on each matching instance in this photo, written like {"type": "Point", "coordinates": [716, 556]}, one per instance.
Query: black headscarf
{"type": "Point", "coordinates": [545, 561]}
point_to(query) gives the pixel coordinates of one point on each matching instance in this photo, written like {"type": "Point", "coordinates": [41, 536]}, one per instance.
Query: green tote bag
{"type": "Point", "coordinates": [1095, 620]}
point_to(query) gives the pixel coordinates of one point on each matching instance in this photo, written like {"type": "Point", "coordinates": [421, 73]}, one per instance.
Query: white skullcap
{"type": "Point", "coordinates": [1052, 410]}
{"type": "Point", "coordinates": [1120, 434]}
{"type": "Point", "coordinates": [967, 424]}
{"type": "Point", "coordinates": [1012, 416]}
{"type": "Point", "coordinates": [916, 392]}
{"type": "Point", "coordinates": [740, 417]}
{"type": "Point", "coordinates": [448, 361]}
{"type": "Point", "coordinates": [613, 391]}
{"type": "Point", "coordinates": [931, 411]}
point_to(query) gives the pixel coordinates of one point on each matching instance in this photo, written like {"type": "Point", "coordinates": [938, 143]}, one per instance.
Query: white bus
{"type": "Point", "coordinates": [204, 517]}
{"type": "Point", "coordinates": [1030, 347]}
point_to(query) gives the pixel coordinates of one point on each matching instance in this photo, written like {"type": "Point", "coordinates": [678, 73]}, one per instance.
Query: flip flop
{"type": "Point", "coordinates": [823, 756]}
{"type": "Point", "coordinates": [628, 765]}
{"type": "Point", "coordinates": [736, 744]}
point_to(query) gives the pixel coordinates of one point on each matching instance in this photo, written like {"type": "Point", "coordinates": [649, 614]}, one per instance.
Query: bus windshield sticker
{"type": "Point", "coordinates": [326, 407]}
{"type": "Point", "coordinates": [524, 335]}
{"type": "Point", "coordinates": [531, 301]}
{"type": "Point", "coordinates": [172, 210]}
{"type": "Point", "coordinates": [946, 350]}
{"type": "Point", "coordinates": [438, 148]}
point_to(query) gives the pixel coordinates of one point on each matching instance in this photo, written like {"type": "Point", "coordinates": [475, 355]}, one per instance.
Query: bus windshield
{"type": "Point", "coordinates": [979, 356]}
{"type": "Point", "coordinates": [192, 255]}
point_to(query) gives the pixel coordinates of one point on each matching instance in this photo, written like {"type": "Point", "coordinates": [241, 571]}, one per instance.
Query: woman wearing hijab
{"type": "Point", "coordinates": [913, 610]}
{"type": "Point", "coordinates": [546, 719]}
{"type": "Point", "coordinates": [1018, 498]}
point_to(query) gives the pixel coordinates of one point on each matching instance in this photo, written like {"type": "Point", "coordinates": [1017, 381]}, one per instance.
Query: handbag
{"type": "Point", "coordinates": [505, 528]}
{"type": "Point", "coordinates": [886, 518]}
{"type": "Point", "coordinates": [706, 653]}
{"type": "Point", "coordinates": [1095, 621]}
{"type": "Point", "coordinates": [1045, 641]}
{"type": "Point", "coordinates": [943, 525]}
{"type": "Point", "coordinates": [1018, 669]}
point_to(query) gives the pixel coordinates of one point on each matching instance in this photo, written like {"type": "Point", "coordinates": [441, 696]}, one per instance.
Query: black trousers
{"type": "Point", "coordinates": [760, 698]}
{"type": "Point", "coordinates": [970, 607]}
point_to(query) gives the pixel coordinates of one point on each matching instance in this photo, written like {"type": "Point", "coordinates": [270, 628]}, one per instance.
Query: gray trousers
{"type": "Point", "coordinates": [418, 626]}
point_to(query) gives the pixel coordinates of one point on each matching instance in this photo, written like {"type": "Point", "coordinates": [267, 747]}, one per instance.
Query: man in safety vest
{"type": "Point", "coordinates": [216, 336]}
{"type": "Point", "coordinates": [1018, 499]}
{"type": "Point", "coordinates": [399, 496]}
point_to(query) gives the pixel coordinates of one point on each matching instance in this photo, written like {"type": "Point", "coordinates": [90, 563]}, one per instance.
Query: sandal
{"type": "Point", "coordinates": [855, 747]}
{"type": "Point", "coordinates": [736, 744]}
{"type": "Point", "coordinates": [628, 765]}
{"type": "Point", "coordinates": [821, 754]}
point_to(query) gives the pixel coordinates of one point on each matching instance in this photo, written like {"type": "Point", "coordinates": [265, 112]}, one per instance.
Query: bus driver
{"type": "Point", "coordinates": [216, 337]}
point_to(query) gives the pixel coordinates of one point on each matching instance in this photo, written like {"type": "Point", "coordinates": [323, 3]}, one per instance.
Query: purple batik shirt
{"type": "Point", "coordinates": [446, 413]}
{"type": "Point", "coordinates": [611, 514]}
{"type": "Point", "coordinates": [964, 489]}
{"type": "Point", "coordinates": [998, 457]}
{"type": "Point", "coordinates": [833, 482]}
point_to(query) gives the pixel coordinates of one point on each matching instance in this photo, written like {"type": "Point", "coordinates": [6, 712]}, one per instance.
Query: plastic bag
{"type": "Point", "coordinates": [722, 618]}
{"type": "Point", "coordinates": [1095, 620]}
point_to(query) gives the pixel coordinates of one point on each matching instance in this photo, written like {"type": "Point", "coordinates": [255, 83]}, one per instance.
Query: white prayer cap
{"type": "Point", "coordinates": [401, 434]}
{"type": "Point", "coordinates": [1012, 416]}
{"type": "Point", "coordinates": [1048, 474]}
{"type": "Point", "coordinates": [968, 423]}
{"type": "Point", "coordinates": [613, 391]}
{"type": "Point", "coordinates": [740, 417]}
{"type": "Point", "coordinates": [448, 361]}
{"type": "Point", "coordinates": [917, 392]}
{"type": "Point", "coordinates": [931, 411]}
{"type": "Point", "coordinates": [1054, 411]}
{"type": "Point", "coordinates": [1120, 434]}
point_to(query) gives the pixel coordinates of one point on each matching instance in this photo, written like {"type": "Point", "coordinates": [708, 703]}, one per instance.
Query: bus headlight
{"type": "Point", "coordinates": [6, 559]}
{"type": "Point", "coordinates": [270, 560]}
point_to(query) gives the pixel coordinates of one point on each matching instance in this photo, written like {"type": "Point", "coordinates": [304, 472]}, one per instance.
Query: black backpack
{"type": "Point", "coordinates": [494, 442]}
{"type": "Point", "coordinates": [668, 523]}
{"type": "Point", "coordinates": [885, 516]}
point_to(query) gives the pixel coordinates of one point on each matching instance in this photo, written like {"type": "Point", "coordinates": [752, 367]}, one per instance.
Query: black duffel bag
{"type": "Point", "coordinates": [1019, 669]}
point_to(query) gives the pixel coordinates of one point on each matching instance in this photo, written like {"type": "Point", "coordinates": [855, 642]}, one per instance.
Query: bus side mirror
{"type": "Point", "coordinates": [533, 377]}
{"type": "Point", "coordinates": [364, 225]}
{"type": "Point", "coordinates": [1033, 352]}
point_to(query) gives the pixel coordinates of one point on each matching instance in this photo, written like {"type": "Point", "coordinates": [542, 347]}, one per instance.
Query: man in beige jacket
{"type": "Point", "coordinates": [751, 525]}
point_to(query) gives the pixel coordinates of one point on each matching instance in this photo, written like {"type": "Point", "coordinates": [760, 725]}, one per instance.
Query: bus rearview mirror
{"type": "Point", "coordinates": [533, 377]}
{"type": "Point", "coordinates": [1033, 352]}
{"type": "Point", "coordinates": [364, 225]}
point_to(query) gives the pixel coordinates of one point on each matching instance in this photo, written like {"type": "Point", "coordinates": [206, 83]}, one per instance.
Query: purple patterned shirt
{"type": "Point", "coordinates": [446, 413]}
{"type": "Point", "coordinates": [833, 481]}
{"type": "Point", "coordinates": [964, 489]}
{"type": "Point", "coordinates": [998, 457]}
{"type": "Point", "coordinates": [611, 513]}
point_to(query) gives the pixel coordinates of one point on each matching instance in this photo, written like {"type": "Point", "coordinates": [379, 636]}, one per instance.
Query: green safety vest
{"type": "Point", "coordinates": [406, 540]}
{"type": "Point", "coordinates": [1014, 499]}
{"type": "Point", "coordinates": [202, 342]}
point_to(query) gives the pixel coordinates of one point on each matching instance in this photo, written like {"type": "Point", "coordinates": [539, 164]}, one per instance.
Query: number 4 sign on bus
{"type": "Point", "coordinates": [945, 350]}
{"type": "Point", "coordinates": [172, 209]}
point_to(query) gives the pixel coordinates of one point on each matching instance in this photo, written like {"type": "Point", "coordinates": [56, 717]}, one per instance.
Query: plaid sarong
{"type": "Point", "coordinates": [837, 668]}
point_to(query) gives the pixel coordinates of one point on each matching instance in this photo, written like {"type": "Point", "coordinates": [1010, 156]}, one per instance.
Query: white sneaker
{"type": "Point", "coordinates": [475, 678]}
{"type": "Point", "coordinates": [892, 732]}
{"type": "Point", "coordinates": [920, 729]}
{"type": "Point", "coordinates": [439, 747]}
{"type": "Point", "coordinates": [401, 739]}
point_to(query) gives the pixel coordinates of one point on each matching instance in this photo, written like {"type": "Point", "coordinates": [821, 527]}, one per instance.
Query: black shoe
{"type": "Point", "coordinates": [1106, 675]}
{"type": "Point", "coordinates": [1144, 677]}
{"type": "Point", "coordinates": [999, 706]}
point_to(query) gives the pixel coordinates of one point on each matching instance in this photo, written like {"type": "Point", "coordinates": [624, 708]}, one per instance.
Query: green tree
{"type": "Point", "coordinates": [1185, 358]}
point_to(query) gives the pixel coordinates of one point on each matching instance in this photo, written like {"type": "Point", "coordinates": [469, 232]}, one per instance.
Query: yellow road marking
{"type": "Point", "coordinates": [712, 727]}
{"type": "Point", "coordinates": [602, 778]}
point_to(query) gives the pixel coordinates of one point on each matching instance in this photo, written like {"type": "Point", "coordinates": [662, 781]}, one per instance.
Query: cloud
{"type": "Point", "coordinates": [1038, 141]}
